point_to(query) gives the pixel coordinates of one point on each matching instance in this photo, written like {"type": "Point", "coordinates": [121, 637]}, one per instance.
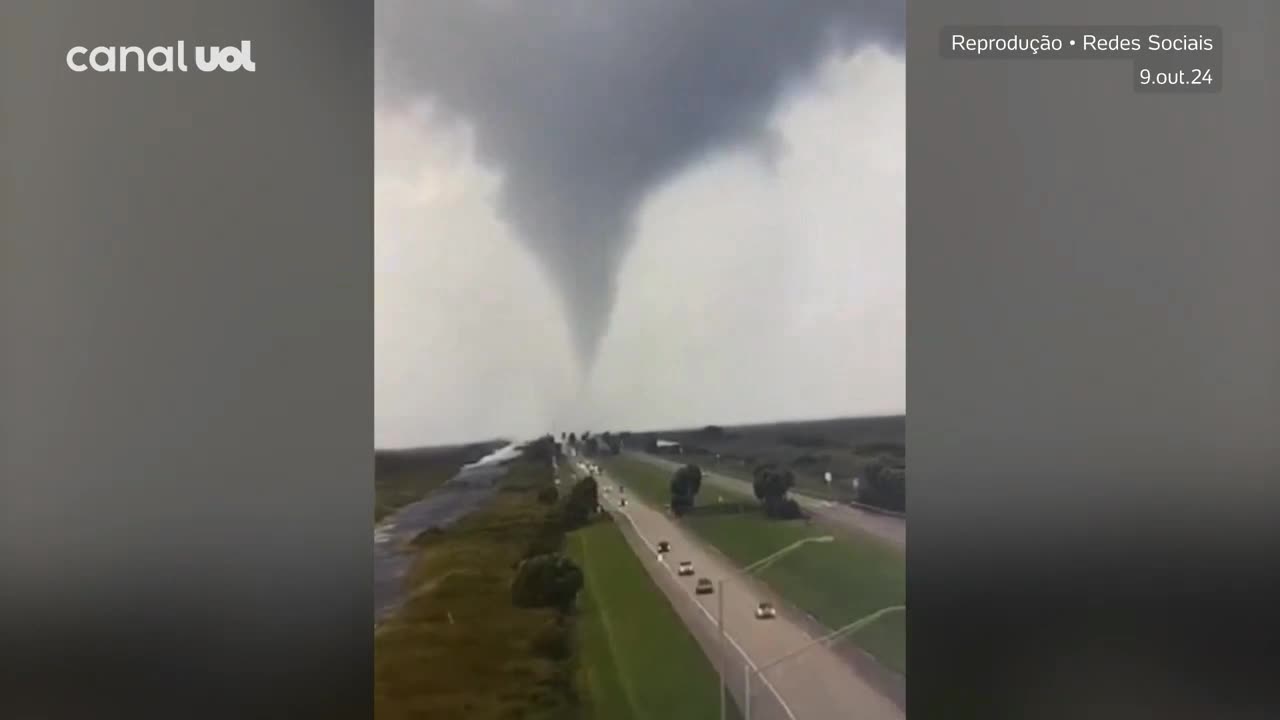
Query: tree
{"type": "Point", "coordinates": [770, 486]}
{"type": "Point", "coordinates": [550, 580]}
{"type": "Point", "coordinates": [587, 490]}
{"type": "Point", "coordinates": [548, 495]}
{"type": "Point", "coordinates": [612, 445]}
{"type": "Point", "coordinates": [581, 503]}
{"type": "Point", "coordinates": [761, 475]}
{"type": "Point", "coordinates": [685, 484]}
{"type": "Point", "coordinates": [650, 444]}
{"type": "Point", "coordinates": [714, 431]}
{"type": "Point", "coordinates": [541, 450]}
{"type": "Point", "coordinates": [884, 484]}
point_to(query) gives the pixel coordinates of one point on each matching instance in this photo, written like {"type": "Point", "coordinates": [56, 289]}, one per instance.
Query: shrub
{"type": "Point", "coordinates": [884, 484]}
{"type": "Point", "coordinates": [550, 580]}
{"type": "Point", "coordinates": [580, 504]}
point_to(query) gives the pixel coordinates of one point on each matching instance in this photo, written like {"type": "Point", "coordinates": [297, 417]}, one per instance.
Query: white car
{"type": "Point", "coordinates": [685, 568]}
{"type": "Point", "coordinates": [765, 611]}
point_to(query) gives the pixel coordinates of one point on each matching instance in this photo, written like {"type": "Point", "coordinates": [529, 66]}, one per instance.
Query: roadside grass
{"type": "Point", "coordinates": [636, 659]}
{"type": "Point", "coordinates": [836, 582]}
{"type": "Point", "coordinates": [402, 477]}
{"type": "Point", "coordinates": [458, 647]}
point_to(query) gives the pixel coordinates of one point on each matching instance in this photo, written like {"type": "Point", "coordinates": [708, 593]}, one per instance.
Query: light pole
{"type": "Point", "coordinates": [838, 633]}
{"type": "Point", "coordinates": [757, 565]}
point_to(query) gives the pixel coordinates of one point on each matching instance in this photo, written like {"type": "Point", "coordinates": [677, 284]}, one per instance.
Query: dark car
{"type": "Point", "coordinates": [664, 546]}
{"type": "Point", "coordinates": [704, 587]}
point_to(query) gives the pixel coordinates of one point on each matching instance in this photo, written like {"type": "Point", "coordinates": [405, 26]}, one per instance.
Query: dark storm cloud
{"type": "Point", "coordinates": [587, 105]}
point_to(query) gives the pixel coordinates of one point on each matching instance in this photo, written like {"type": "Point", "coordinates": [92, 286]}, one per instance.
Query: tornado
{"type": "Point", "coordinates": [585, 107]}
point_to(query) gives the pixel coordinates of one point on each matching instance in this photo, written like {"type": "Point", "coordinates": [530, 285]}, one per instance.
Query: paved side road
{"type": "Point", "coordinates": [815, 685]}
{"type": "Point", "coordinates": [886, 527]}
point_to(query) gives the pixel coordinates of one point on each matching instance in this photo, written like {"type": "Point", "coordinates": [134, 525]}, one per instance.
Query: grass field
{"type": "Point", "coordinates": [459, 648]}
{"type": "Point", "coordinates": [402, 477]}
{"type": "Point", "coordinates": [836, 582]}
{"type": "Point", "coordinates": [636, 659]}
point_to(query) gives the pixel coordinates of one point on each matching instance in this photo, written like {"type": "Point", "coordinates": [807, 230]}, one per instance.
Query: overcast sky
{"type": "Point", "coordinates": [636, 215]}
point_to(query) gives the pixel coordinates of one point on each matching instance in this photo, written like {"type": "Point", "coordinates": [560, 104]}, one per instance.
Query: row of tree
{"type": "Point", "coordinates": [589, 444]}
{"type": "Point", "coordinates": [770, 484]}
{"type": "Point", "coordinates": [546, 577]}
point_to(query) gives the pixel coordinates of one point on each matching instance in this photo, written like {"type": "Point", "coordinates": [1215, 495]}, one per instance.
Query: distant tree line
{"type": "Point", "coordinates": [593, 445]}
{"type": "Point", "coordinates": [546, 577]}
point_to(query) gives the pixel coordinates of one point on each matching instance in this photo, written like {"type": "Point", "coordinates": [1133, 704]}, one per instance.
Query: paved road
{"type": "Point", "coordinates": [886, 527]}
{"type": "Point", "coordinates": [815, 685]}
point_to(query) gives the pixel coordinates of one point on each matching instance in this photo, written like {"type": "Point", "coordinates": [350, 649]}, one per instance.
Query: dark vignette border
{"type": "Point", "coordinates": [186, 365]}
{"type": "Point", "coordinates": [1093, 375]}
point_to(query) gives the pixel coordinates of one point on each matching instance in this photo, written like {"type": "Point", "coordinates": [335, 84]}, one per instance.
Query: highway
{"type": "Point", "coordinates": [843, 517]}
{"type": "Point", "coordinates": [815, 684]}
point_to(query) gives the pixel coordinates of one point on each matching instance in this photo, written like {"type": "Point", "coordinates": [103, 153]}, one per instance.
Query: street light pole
{"type": "Point", "coordinates": [724, 649]}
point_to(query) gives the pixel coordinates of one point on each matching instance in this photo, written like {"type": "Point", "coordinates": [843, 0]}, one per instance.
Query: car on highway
{"type": "Point", "coordinates": [685, 568]}
{"type": "Point", "coordinates": [765, 611]}
{"type": "Point", "coordinates": [664, 546]}
{"type": "Point", "coordinates": [704, 587]}
{"type": "Point", "coordinates": [622, 502]}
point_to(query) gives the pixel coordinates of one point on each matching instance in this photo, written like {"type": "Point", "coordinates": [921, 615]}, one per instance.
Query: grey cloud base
{"type": "Point", "coordinates": [586, 107]}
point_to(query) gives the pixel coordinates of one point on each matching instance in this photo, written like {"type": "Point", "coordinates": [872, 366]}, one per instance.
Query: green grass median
{"type": "Point", "coordinates": [636, 659]}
